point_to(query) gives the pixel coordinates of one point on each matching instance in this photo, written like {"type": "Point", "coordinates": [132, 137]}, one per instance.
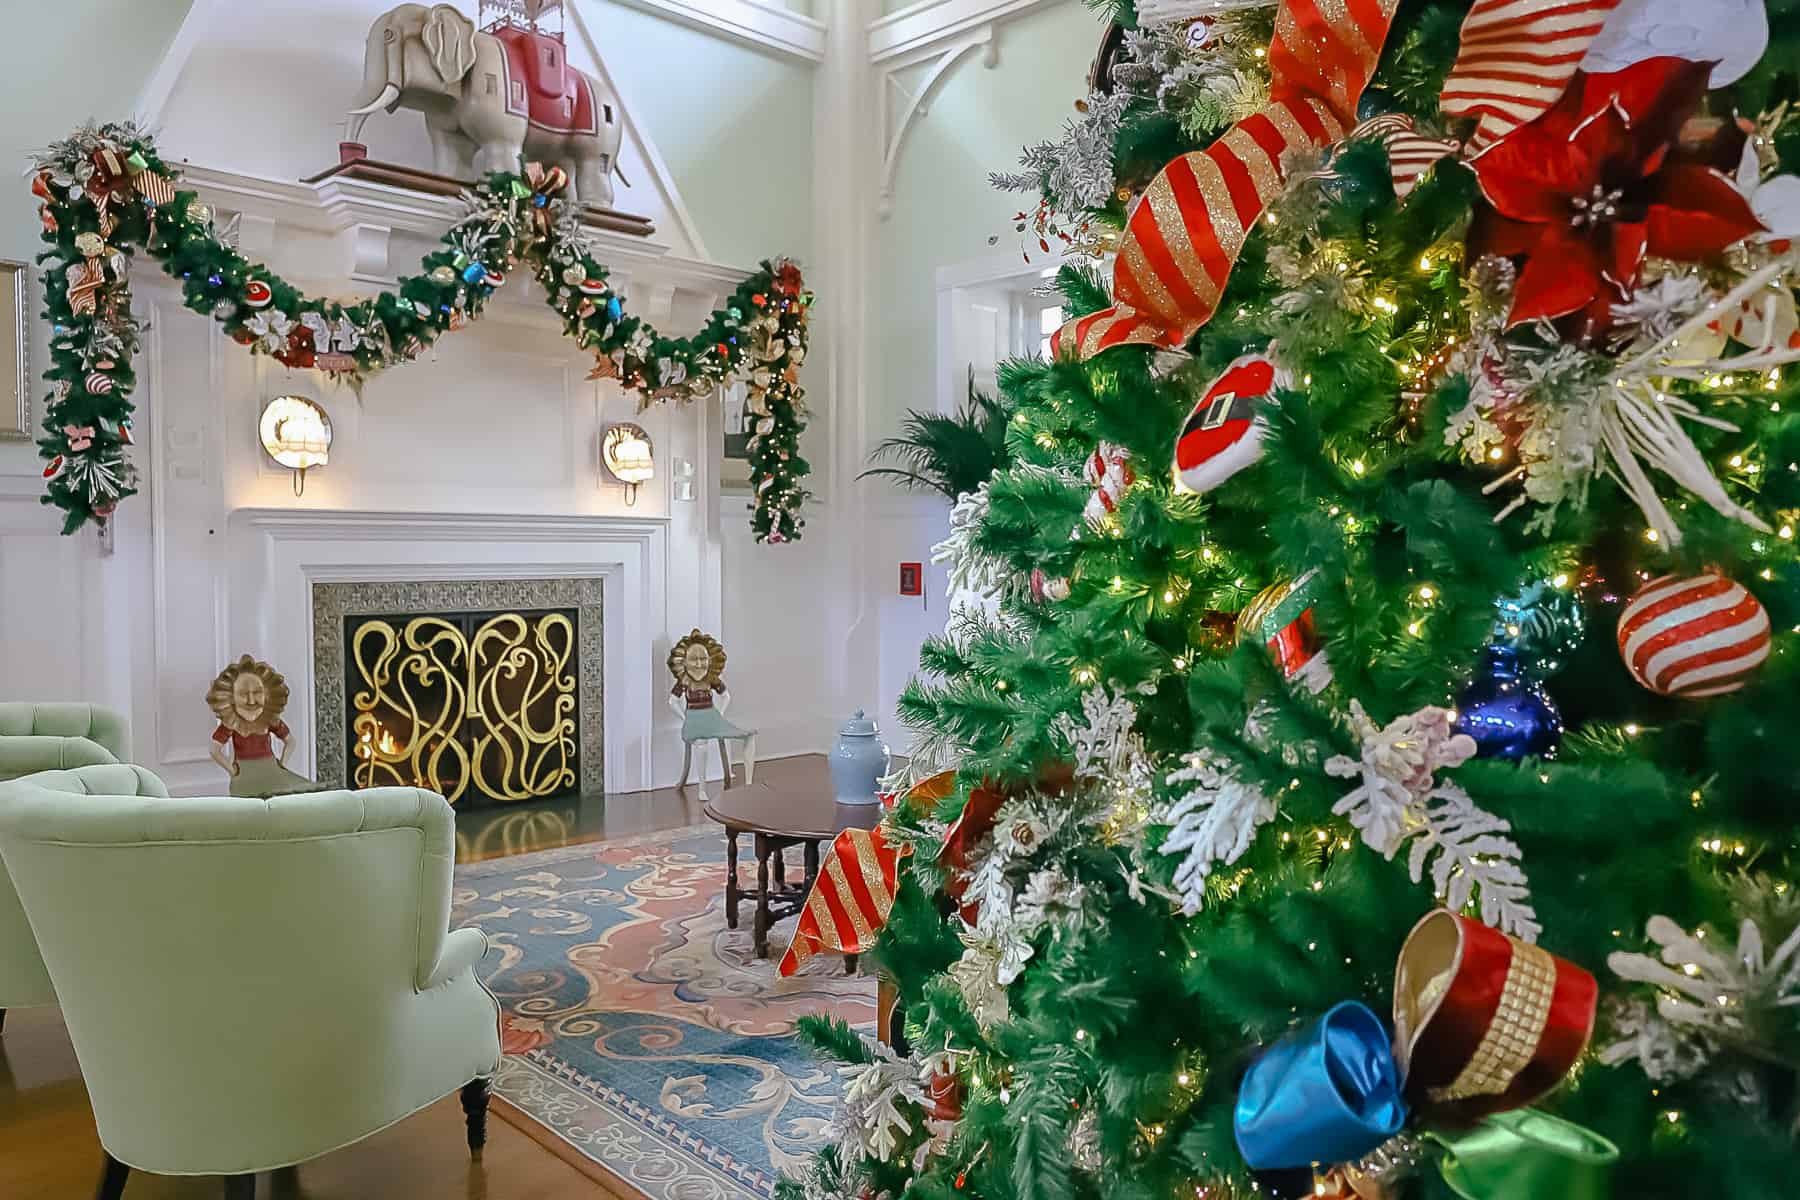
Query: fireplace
{"type": "Point", "coordinates": [487, 692]}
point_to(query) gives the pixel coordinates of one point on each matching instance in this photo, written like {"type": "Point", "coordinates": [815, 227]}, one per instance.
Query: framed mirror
{"type": "Point", "coordinates": [15, 347]}
{"type": "Point", "coordinates": [736, 420]}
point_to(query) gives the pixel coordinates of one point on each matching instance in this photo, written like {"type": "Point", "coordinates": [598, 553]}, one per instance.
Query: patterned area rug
{"type": "Point", "coordinates": [639, 1030]}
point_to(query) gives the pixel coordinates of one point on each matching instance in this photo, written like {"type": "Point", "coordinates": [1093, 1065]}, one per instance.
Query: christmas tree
{"type": "Point", "coordinates": [1373, 770]}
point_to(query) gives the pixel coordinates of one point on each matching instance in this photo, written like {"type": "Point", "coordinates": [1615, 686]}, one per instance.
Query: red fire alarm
{"type": "Point", "coordinates": [912, 579]}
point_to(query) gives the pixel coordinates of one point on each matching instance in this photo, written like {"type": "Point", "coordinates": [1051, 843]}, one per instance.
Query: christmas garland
{"type": "Point", "coordinates": [106, 192]}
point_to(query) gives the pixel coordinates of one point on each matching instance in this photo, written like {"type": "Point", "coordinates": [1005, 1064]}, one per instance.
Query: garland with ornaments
{"type": "Point", "coordinates": [106, 192]}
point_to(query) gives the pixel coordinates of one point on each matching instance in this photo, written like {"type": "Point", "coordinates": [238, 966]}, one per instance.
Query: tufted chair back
{"type": "Point", "coordinates": [248, 983]}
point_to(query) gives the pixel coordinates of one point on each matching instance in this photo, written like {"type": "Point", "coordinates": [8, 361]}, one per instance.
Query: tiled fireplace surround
{"type": "Point", "coordinates": [332, 602]}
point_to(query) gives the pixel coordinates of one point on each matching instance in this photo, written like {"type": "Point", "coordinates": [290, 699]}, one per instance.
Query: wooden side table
{"type": "Point", "coordinates": [777, 819]}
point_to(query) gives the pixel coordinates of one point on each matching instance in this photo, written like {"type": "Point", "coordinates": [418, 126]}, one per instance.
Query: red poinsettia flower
{"type": "Point", "coordinates": [1591, 187]}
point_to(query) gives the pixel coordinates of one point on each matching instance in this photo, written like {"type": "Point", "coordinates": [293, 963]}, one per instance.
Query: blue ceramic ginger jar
{"type": "Point", "coordinates": [858, 761]}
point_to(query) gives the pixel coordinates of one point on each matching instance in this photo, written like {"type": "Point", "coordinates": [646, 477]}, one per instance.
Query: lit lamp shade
{"type": "Point", "coordinates": [297, 434]}
{"type": "Point", "coordinates": [628, 454]}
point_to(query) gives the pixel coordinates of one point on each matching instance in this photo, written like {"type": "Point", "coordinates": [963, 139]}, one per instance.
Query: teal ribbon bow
{"type": "Point", "coordinates": [1327, 1094]}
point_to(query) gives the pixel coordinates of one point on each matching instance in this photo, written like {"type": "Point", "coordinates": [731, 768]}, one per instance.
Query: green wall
{"type": "Point", "coordinates": [734, 123]}
{"type": "Point", "coordinates": [87, 58]}
{"type": "Point", "coordinates": [944, 211]}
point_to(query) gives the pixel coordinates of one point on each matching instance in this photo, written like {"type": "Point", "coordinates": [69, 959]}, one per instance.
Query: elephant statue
{"type": "Point", "coordinates": [495, 95]}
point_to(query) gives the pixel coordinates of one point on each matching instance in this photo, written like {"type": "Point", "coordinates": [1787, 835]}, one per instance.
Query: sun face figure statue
{"type": "Point", "coordinates": [249, 697]}
{"type": "Point", "coordinates": [700, 699]}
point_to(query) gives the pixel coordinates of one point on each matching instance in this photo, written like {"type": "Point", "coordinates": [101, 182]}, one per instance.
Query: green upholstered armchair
{"type": "Point", "coordinates": [250, 984]}
{"type": "Point", "coordinates": [55, 737]}
{"type": "Point", "coordinates": [44, 737]}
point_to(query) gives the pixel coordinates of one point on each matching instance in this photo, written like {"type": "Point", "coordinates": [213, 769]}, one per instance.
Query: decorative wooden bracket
{"type": "Point", "coordinates": [901, 104]}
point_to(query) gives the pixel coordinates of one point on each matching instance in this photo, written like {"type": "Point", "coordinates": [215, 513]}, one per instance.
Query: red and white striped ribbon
{"type": "Point", "coordinates": [1516, 60]}
{"type": "Point", "coordinates": [849, 901]}
{"type": "Point", "coordinates": [1186, 230]}
{"type": "Point", "coordinates": [1410, 153]}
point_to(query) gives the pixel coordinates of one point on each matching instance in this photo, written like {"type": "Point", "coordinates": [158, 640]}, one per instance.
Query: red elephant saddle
{"type": "Point", "coordinates": [542, 87]}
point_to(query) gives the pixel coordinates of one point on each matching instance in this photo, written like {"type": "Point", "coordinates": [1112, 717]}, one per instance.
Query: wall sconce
{"type": "Point", "coordinates": [625, 449]}
{"type": "Point", "coordinates": [297, 434]}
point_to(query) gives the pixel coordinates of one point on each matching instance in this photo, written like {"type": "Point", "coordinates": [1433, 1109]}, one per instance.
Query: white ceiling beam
{"type": "Point", "coordinates": [923, 30]}
{"type": "Point", "coordinates": [752, 22]}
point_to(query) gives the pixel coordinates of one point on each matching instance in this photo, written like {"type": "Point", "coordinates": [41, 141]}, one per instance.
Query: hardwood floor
{"type": "Point", "coordinates": [50, 1150]}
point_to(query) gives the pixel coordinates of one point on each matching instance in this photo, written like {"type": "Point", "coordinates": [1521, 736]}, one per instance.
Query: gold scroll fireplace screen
{"type": "Point", "coordinates": [482, 705]}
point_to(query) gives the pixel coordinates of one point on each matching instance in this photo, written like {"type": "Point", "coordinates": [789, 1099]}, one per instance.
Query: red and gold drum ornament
{"type": "Point", "coordinates": [1223, 435]}
{"type": "Point", "coordinates": [1693, 637]}
{"type": "Point", "coordinates": [1484, 1022]}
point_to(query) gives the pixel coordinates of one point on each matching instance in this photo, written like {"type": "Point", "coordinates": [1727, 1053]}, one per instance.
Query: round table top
{"type": "Point", "coordinates": [791, 811]}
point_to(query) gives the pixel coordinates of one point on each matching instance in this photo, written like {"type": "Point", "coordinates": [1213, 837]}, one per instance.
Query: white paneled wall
{"type": "Point", "coordinates": [476, 459]}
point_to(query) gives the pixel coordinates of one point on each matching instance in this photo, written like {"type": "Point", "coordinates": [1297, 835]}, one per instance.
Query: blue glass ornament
{"type": "Point", "coordinates": [474, 273]}
{"type": "Point", "coordinates": [540, 201]}
{"type": "Point", "coordinates": [1506, 711]}
{"type": "Point", "coordinates": [215, 280]}
{"type": "Point", "coordinates": [1373, 103]}
{"type": "Point", "coordinates": [1544, 623]}
{"type": "Point", "coordinates": [614, 310]}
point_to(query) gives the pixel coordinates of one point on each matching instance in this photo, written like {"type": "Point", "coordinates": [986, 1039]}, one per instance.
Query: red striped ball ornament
{"type": "Point", "coordinates": [1694, 637]}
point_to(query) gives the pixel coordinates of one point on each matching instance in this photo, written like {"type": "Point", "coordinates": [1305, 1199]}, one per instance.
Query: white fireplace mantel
{"type": "Point", "coordinates": [279, 554]}
{"type": "Point", "coordinates": [374, 233]}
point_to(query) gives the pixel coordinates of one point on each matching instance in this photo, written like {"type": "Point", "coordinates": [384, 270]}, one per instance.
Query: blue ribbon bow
{"type": "Point", "coordinates": [1327, 1094]}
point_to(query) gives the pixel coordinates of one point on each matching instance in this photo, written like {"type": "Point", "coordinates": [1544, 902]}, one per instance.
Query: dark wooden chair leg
{"type": "Point", "coordinates": [475, 1107]}
{"type": "Point", "coordinates": [285, 1181]}
{"type": "Point", "coordinates": [240, 1187]}
{"type": "Point", "coordinates": [2, 1020]}
{"type": "Point", "coordinates": [112, 1179]}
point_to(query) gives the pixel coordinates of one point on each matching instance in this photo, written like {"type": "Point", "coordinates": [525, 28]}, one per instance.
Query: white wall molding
{"type": "Point", "coordinates": [765, 26]}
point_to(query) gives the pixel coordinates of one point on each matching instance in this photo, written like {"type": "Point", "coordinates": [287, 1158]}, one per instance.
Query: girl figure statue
{"type": "Point", "coordinates": [249, 697]}
{"type": "Point", "coordinates": [700, 699]}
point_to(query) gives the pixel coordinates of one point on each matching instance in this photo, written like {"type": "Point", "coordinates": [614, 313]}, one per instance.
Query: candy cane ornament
{"type": "Point", "coordinates": [1108, 470]}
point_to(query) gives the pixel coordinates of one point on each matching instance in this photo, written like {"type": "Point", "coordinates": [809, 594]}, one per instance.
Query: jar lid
{"type": "Point", "coordinates": [858, 726]}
